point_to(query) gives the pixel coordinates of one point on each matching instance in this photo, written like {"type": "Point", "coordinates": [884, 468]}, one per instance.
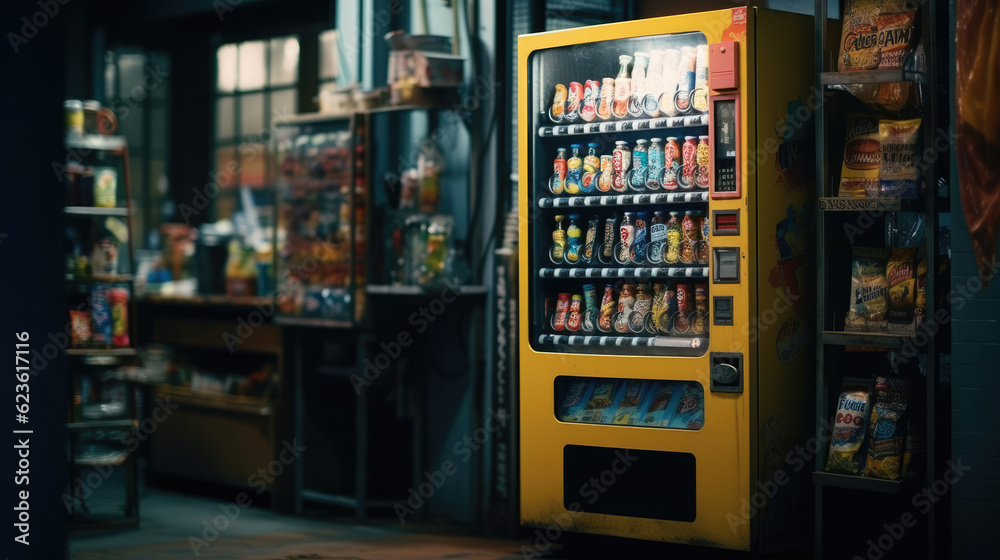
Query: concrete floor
{"type": "Point", "coordinates": [172, 522]}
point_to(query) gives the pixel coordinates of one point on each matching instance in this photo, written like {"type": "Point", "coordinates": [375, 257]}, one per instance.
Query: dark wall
{"type": "Point", "coordinates": [31, 270]}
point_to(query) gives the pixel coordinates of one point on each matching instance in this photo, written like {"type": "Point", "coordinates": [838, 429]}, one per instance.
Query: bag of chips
{"type": "Point", "coordinates": [899, 174]}
{"type": "Point", "coordinates": [849, 427]}
{"type": "Point", "coordinates": [887, 429]}
{"type": "Point", "coordinates": [859, 38]}
{"type": "Point", "coordinates": [862, 157]}
{"type": "Point", "coordinates": [80, 329]}
{"type": "Point", "coordinates": [899, 275]}
{"type": "Point", "coordinates": [870, 290]}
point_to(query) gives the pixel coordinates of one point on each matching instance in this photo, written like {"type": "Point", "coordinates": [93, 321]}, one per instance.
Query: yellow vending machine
{"type": "Point", "coordinates": [667, 187]}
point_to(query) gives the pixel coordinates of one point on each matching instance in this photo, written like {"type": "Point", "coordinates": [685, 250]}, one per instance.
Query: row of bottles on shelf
{"type": "Point", "coordinates": [659, 309]}
{"type": "Point", "coordinates": [666, 82]}
{"type": "Point", "coordinates": [650, 165]}
{"type": "Point", "coordinates": [633, 239]}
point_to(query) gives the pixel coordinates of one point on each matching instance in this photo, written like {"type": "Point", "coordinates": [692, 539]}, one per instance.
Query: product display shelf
{"type": "Point", "coordinates": [97, 142]}
{"type": "Point", "coordinates": [101, 352]}
{"type": "Point", "coordinates": [858, 483]}
{"type": "Point", "coordinates": [623, 199]}
{"type": "Point", "coordinates": [575, 129]}
{"type": "Point", "coordinates": [665, 271]}
{"type": "Point", "coordinates": [831, 343]}
{"type": "Point", "coordinates": [82, 147]}
{"type": "Point", "coordinates": [424, 291]}
{"type": "Point", "coordinates": [95, 211]}
{"type": "Point", "coordinates": [870, 77]}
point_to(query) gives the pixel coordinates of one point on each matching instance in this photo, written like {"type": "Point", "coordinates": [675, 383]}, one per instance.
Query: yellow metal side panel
{"type": "Point", "coordinates": [722, 448]}
{"type": "Point", "coordinates": [782, 167]}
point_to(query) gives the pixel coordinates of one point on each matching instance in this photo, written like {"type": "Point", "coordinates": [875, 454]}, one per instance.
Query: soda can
{"type": "Point", "coordinates": [573, 101]}
{"type": "Point", "coordinates": [688, 163]}
{"type": "Point", "coordinates": [701, 177]}
{"type": "Point", "coordinates": [591, 93]}
{"type": "Point", "coordinates": [558, 109]}
{"type": "Point", "coordinates": [606, 99]}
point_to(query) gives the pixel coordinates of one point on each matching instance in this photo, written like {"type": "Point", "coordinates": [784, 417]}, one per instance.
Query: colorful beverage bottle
{"type": "Point", "coordinates": [590, 240]}
{"type": "Point", "coordinates": [590, 307]}
{"type": "Point", "coordinates": [561, 313]}
{"type": "Point", "coordinates": [688, 163]}
{"type": "Point", "coordinates": [659, 308]}
{"type": "Point", "coordinates": [591, 164]}
{"type": "Point", "coordinates": [643, 306]}
{"type": "Point", "coordinates": [606, 99]}
{"type": "Point", "coordinates": [575, 319]}
{"type": "Point", "coordinates": [657, 237]}
{"type": "Point", "coordinates": [626, 304]}
{"type": "Point", "coordinates": [701, 174]}
{"type": "Point", "coordinates": [670, 303]}
{"type": "Point", "coordinates": [621, 161]}
{"type": "Point", "coordinates": [681, 323]}
{"type": "Point", "coordinates": [640, 164]}
{"type": "Point", "coordinates": [685, 85]}
{"type": "Point", "coordinates": [607, 309]}
{"type": "Point", "coordinates": [671, 62]}
{"type": "Point", "coordinates": [574, 171]}
{"type": "Point", "coordinates": [699, 323]}
{"type": "Point", "coordinates": [573, 102]}
{"type": "Point", "coordinates": [591, 93]}
{"type": "Point", "coordinates": [654, 84]}
{"type": "Point", "coordinates": [559, 240]}
{"type": "Point", "coordinates": [607, 176]}
{"type": "Point", "coordinates": [656, 159]}
{"type": "Point", "coordinates": [638, 90]}
{"type": "Point", "coordinates": [557, 185]}
{"type": "Point", "coordinates": [699, 96]}
{"type": "Point", "coordinates": [610, 234]}
{"type": "Point", "coordinates": [672, 254]}
{"type": "Point", "coordinates": [558, 108]}
{"type": "Point", "coordinates": [702, 253]}
{"type": "Point", "coordinates": [671, 164]}
{"type": "Point", "coordinates": [626, 235]}
{"type": "Point", "coordinates": [689, 242]}
{"type": "Point", "coordinates": [573, 240]}
{"type": "Point", "coordinates": [623, 88]}
{"type": "Point", "coordinates": [638, 251]}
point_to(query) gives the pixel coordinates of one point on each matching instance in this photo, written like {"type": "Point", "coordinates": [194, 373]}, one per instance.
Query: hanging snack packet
{"type": "Point", "coordinates": [862, 156]}
{"type": "Point", "coordinates": [899, 174]}
{"type": "Point", "coordinates": [853, 408]}
{"type": "Point", "coordinates": [900, 276]}
{"type": "Point", "coordinates": [887, 429]}
{"type": "Point", "coordinates": [859, 38]}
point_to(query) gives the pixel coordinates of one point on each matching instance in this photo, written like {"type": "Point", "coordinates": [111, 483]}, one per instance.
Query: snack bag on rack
{"type": "Point", "coordinates": [902, 291]}
{"type": "Point", "coordinates": [849, 427]}
{"type": "Point", "coordinates": [862, 157]}
{"type": "Point", "coordinates": [887, 428]}
{"type": "Point", "coordinates": [859, 38]}
{"type": "Point", "coordinates": [899, 172]}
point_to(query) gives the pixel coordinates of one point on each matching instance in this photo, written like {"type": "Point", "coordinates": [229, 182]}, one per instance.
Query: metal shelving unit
{"type": "Point", "coordinates": [82, 147]}
{"type": "Point", "coordinates": [825, 483]}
